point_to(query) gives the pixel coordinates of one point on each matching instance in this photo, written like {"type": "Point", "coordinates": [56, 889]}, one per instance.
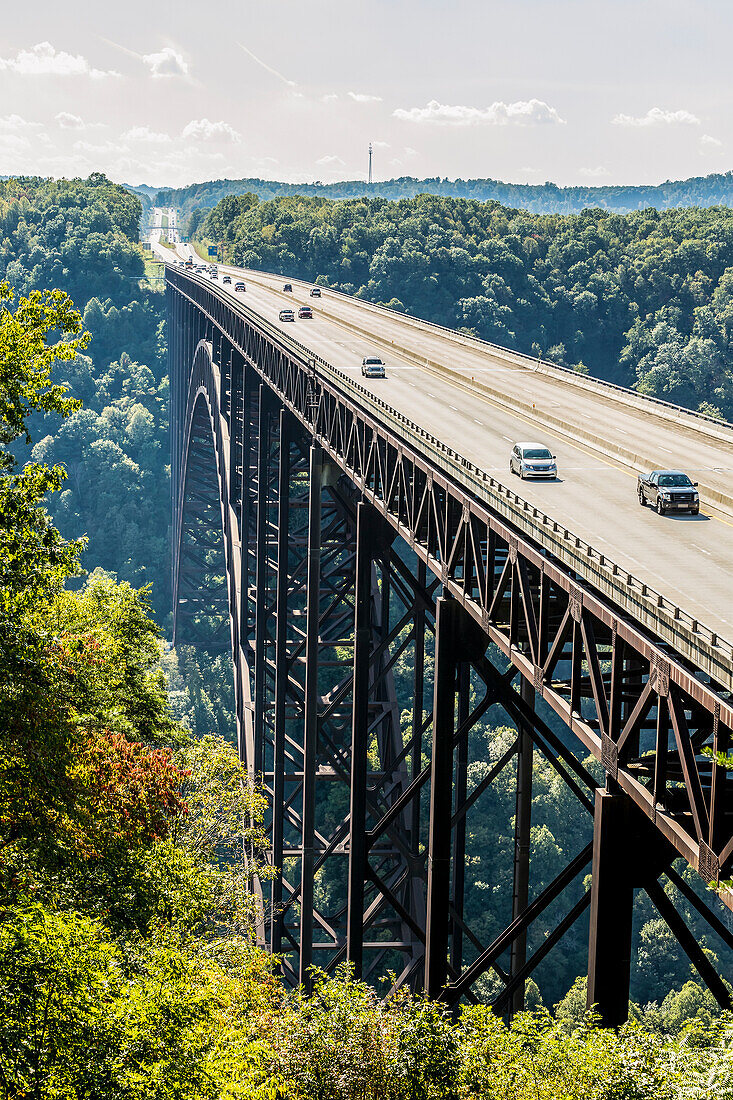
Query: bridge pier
{"type": "Point", "coordinates": [458, 640]}
{"type": "Point", "coordinates": [310, 725]}
{"type": "Point", "coordinates": [611, 910]}
{"type": "Point", "coordinates": [522, 834]}
{"type": "Point", "coordinates": [281, 673]}
{"type": "Point", "coordinates": [388, 553]}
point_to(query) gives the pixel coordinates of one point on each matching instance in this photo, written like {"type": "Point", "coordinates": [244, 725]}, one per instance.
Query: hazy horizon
{"type": "Point", "coordinates": [613, 93]}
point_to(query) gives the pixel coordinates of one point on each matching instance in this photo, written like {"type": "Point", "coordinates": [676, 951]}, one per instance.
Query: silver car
{"type": "Point", "coordinates": [373, 367]}
{"type": "Point", "coordinates": [532, 460]}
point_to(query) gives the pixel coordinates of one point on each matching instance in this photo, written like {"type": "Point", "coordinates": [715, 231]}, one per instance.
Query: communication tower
{"type": "Point", "coordinates": [370, 162]}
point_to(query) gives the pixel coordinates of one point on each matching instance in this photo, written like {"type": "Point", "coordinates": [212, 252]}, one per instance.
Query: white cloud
{"type": "Point", "coordinates": [13, 143]}
{"type": "Point", "coordinates": [167, 62]}
{"type": "Point", "coordinates": [201, 129]}
{"type": "Point", "coordinates": [361, 97]}
{"type": "Point", "coordinates": [67, 121]}
{"type": "Point", "coordinates": [594, 173]}
{"type": "Point", "coordinates": [329, 97]}
{"type": "Point", "coordinates": [13, 124]}
{"type": "Point", "coordinates": [381, 145]}
{"type": "Point", "coordinates": [524, 113]}
{"type": "Point", "coordinates": [146, 135]}
{"type": "Point", "coordinates": [88, 148]}
{"type": "Point", "coordinates": [330, 160]}
{"type": "Point", "coordinates": [43, 59]}
{"type": "Point", "coordinates": [410, 152]}
{"type": "Point", "coordinates": [710, 143]}
{"type": "Point", "coordinates": [655, 116]}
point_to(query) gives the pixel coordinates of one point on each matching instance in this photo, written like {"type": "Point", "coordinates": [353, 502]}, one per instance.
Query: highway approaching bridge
{"type": "Point", "coordinates": [368, 524]}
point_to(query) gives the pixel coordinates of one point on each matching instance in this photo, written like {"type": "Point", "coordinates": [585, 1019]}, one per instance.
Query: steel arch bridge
{"type": "Point", "coordinates": [356, 547]}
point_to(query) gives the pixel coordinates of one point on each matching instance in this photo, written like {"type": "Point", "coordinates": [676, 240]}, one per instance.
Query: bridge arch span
{"type": "Point", "coordinates": [205, 524]}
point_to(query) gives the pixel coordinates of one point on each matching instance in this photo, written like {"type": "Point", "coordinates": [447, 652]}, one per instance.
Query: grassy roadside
{"type": "Point", "coordinates": [201, 250]}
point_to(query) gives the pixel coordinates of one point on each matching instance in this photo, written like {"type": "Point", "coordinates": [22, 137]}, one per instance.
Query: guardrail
{"type": "Point", "coordinates": [568, 547]}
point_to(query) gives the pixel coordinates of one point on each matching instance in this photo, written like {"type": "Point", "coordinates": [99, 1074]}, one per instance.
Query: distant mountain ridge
{"type": "Point", "coordinates": [545, 198]}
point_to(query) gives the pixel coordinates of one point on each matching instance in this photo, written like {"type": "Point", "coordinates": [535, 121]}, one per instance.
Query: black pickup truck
{"type": "Point", "coordinates": [669, 491]}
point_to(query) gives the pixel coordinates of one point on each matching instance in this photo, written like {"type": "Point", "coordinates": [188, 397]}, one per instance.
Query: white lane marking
{"type": "Point", "coordinates": [621, 431]}
{"type": "Point", "coordinates": [431, 395]}
{"type": "Point", "coordinates": [666, 450]}
{"type": "Point", "coordinates": [508, 438]}
{"type": "Point", "coordinates": [454, 407]}
{"type": "Point", "coordinates": [477, 422]}
{"type": "Point", "coordinates": [701, 549]}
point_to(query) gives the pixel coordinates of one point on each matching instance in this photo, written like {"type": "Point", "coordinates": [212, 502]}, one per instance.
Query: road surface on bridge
{"type": "Point", "coordinates": [689, 559]}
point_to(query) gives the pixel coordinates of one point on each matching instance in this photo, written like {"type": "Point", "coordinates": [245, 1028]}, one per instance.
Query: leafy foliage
{"type": "Point", "coordinates": [81, 236]}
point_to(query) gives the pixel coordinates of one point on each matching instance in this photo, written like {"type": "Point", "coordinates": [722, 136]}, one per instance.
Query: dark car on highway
{"type": "Point", "coordinates": [668, 491]}
{"type": "Point", "coordinates": [288, 287]}
{"type": "Point", "coordinates": [305, 311]}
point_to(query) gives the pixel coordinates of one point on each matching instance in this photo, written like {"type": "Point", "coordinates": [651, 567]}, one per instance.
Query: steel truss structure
{"type": "Point", "coordinates": [349, 554]}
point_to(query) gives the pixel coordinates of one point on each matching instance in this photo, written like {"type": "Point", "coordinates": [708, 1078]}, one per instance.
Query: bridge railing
{"type": "Point", "coordinates": [691, 638]}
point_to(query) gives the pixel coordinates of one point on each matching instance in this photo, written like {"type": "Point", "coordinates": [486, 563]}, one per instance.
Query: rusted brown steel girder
{"type": "Point", "coordinates": [644, 712]}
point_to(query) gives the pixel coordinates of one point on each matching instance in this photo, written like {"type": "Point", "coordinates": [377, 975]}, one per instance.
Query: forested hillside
{"type": "Point", "coordinates": [127, 964]}
{"type": "Point", "coordinates": [644, 299]}
{"type": "Point", "coordinates": [542, 198]}
{"type": "Point", "coordinates": [81, 236]}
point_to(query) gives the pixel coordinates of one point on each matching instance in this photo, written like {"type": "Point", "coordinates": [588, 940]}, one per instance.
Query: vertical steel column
{"type": "Point", "coordinates": [417, 706]}
{"type": "Point", "coordinates": [611, 908]}
{"type": "Point", "coordinates": [522, 832]}
{"type": "Point", "coordinates": [447, 648]}
{"type": "Point", "coordinates": [310, 731]}
{"type": "Point", "coordinates": [459, 838]}
{"type": "Point", "coordinates": [281, 678]}
{"type": "Point", "coordinates": [261, 568]}
{"type": "Point", "coordinates": [366, 527]}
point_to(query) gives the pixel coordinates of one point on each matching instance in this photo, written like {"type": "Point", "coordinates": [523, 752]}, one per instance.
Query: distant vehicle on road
{"type": "Point", "coordinates": [373, 367]}
{"type": "Point", "coordinates": [668, 491]}
{"type": "Point", "coordinates": [288, 287]}
{"type": "Point", "coordinates": [532, 460]}
{"type": "Point", "coordinates": [287, 315]}
{"type": "Point", "coordinates": [240, 287]}
{"type": "Point", "coordinates": [213, 275]}
{"type": "Point", "coordinates": [305, 311]}
{"type": "Point", "coordinates": [315, 292]}
{"type": "Point", "coordinates": [227, 279]}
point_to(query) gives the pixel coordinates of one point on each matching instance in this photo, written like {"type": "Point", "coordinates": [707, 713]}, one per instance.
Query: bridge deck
{"type": "Point", "coordinates": [688, 559]}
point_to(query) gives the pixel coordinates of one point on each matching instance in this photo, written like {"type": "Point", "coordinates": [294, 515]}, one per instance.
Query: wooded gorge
{"type": "Point", "coordinates": [127, 966]}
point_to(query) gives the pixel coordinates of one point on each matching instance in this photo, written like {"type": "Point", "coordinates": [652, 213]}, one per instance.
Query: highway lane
{"type": "Point", "coordinates": [689, 559]}
{"type": "Point", "coordinates": [635, 428]}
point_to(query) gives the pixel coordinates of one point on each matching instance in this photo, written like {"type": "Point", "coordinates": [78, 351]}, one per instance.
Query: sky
{"type": "Point", "coordinates": [573, 91]}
